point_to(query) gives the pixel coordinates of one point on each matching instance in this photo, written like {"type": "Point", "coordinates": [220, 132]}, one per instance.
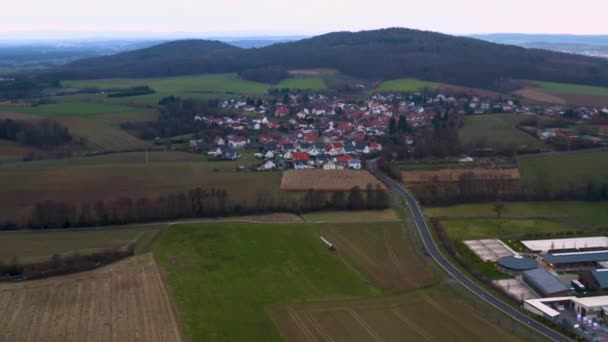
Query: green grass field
{"type": "Point", "coordinates": [36, 246]}
{"type": "Point", "coordinates": [184, 86]}
{"type": "Point", "coordinates": [496, 130]}
{"type": "Point", "coordinates": [474, 229]}
{"type": "Point", "coordinates": [593, 213]}
{"type": "Point", "coordinates": [59, 110]}
{"type": "Point", "coordinates": [406, 85]}
{"type": "Point", "coordinates": [304, 83]}
{"type": "Point", "coordinates": [571, 88]}
{"type": "Point", "coordinates": [560, 172]}
{"type": "Point", "coordinates": [222, 276]}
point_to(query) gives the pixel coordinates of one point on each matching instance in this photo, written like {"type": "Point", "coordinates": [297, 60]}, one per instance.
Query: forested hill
{"type": "Point", "coordinates": [375, 55]}
{"type": "Point", "coordinates": [181, 57]}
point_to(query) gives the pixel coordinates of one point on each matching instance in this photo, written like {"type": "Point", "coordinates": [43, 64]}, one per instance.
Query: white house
{"type": "Point", "coordinates": [268, 165]}
{"type": "Point", "coordinates": [354, 164]}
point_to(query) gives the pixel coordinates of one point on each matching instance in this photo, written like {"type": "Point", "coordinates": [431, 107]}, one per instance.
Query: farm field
{"type": "Point", "coordinates": [12, 152]}
{"type": "Point", "coordinates": [351, 216]}
{"type": "Point", "coordinates": [453, 175]}
{"type": "Point", "coordinates": [126, 301]}
{"type": "Point", "coordinates": [22, 185]}
{"type": "Point", "coordinates": [594, 213]}
{"type": "Point", "coordinates": [328, 180]}
{"type": "Point", "coordinates": [429, 315]}
{"type": "Point", "coordinates": [228, 272]}
{"type": "Point", "coordinates": [39, 245]}
{"type": "Point", "coordinates": [58, 110]}
{"type": "Point", "coordinates": [406, 85]}
{"type": "Point", "coordinates": [185, 86]}
{"type": "Point", "coordinates": [565, 93]}
{"type": "Point", "coordinates": [304, 83]}
{"type": "Point", "coordinates": [101, 131]}
{"type": "Point", "coordinates": [561, 171]}
{"type": "Point", "coordinates": [497, 131]}
{"type": "Point", "coordinates": [475, 229]}
{"type": "Point", "coordinates": [260, 274]}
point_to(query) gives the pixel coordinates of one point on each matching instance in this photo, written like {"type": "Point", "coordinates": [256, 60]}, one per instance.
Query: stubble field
{"type": "Point", "coordinates": [126, 302]}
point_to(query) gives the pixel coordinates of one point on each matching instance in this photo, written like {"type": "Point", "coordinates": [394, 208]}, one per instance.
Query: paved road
{"type": "Point", "coordinates": [436, 254]}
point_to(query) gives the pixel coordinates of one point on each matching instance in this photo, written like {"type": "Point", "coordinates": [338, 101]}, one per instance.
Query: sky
{"type": "Point", "coordinates": [42, 19]}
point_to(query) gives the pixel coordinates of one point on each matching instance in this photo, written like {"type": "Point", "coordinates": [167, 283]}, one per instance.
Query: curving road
{"type": "Point", "coordinates": [433, 250]}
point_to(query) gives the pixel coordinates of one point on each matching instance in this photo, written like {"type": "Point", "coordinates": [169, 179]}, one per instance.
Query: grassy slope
{"type": "Point", "coordinates": [584, 212]}
{"type": "Point", "coordinates": [305, 83]}
{"type": "Point", "coordinates": [406, 85]}
{"type": "Point", "coordinates": [563, 170]}
{"type": "Point", "coordinates": [185, 86]}
{"type": "Point", "coordinates": [97, 123]}
{"type": "Point", "coordinates": [32, 246]}
{"type": "Point", "coordinates": [497, 130]}
{"type": "Point", "coordinates": [228, 273]}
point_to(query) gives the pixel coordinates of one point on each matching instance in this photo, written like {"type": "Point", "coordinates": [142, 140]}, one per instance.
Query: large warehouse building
{"type": "Point", "coordinates": [544, 283]}
{"type": "Point", "coordinates": [575, 260]}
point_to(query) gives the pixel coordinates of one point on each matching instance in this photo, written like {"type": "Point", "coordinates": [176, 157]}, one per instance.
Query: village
{"type": "Point", "coordinates": [304, 131]}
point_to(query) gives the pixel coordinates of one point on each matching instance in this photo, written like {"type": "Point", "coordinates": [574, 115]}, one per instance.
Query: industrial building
{"type": "Point", "coordinates": [544, 283]}
{"type": "Point", "coordinates": [575, 260]}
{"type": "Point", "coordinates": [595, 280]}
{"type": "Point", "coordinates": [516, 264]}
{"type": "Point", "coordinates": [581, 243]}
{"type": "Point", "coordinates": [590, 307]}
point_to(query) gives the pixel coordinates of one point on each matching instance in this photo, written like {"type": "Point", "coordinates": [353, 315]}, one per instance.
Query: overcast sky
{"type": "Point", "coordinates": [50, 18]}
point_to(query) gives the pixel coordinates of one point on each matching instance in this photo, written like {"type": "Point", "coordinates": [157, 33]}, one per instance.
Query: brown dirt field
{"type": "Point", "coordinates": [126, 301]}
{"type": "Point", "coordinates": [327, 180]}
{"type": "Point", "coordinates": [418, 316]}
{"type": "Point", "coordinates": [537, 96]}
{"type": "Point", "coordinates": [384, 255]}
{"type": "Point", "coordinates": [452, 175]}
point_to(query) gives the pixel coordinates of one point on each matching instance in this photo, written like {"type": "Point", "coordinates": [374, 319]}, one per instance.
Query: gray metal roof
{"type": "Point", "coordinates": [574, 258]}
{"type": "Point", "coordinates": [517, 263]}
{"type": "Point", "coordinates": [543, 282]}
{"type": "Point", "coordinates": [601, 277]}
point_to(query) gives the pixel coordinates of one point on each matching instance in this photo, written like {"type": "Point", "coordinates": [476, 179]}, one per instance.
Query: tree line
{"type": "Point", "coordinates": [43, 134]}
{"type": "Point", "coordinates": [196, 203]}
{"type": "Point", "coordinates": [61, 265]}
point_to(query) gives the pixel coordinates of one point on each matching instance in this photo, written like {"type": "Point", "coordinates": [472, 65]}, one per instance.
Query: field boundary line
{"type": "Point", "coordinates": [169, 298]}
{"type": "Point", "coordinates": [416, 327]}
{"type": "Point", "coordinates": [307, 334]}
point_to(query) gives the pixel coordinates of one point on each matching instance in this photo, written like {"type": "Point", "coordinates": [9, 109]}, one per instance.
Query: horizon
{"type": "Point", "coordinates": [29, 37]}
{"type": "Point", "coordinates": [68, 20]}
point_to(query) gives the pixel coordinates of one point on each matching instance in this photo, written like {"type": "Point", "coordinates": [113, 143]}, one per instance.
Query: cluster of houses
{"type": "Point", "coordinates": [303, 155]}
